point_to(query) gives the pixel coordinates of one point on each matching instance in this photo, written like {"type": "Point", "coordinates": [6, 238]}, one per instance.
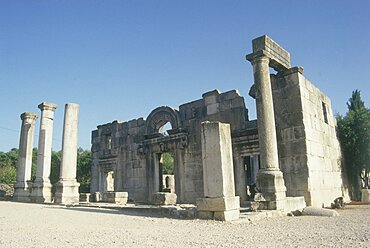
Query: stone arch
{"type": "Point", "coordinates": [159, 117]}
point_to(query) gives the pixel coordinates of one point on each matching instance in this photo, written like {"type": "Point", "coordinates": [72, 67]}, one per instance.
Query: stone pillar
{"type": "Point", "coordinates": [24, 165]}
{"type": "Point", "coordinates": [41, 189]}
{"type": "Point", "coordinates": [270, 179]}
{"type": "Point", "coordinates": [219, 202]}
{"type": "Point", "coordinates": [67, 187]}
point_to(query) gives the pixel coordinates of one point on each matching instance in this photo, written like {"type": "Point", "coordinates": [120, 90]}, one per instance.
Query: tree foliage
{"type": "Point", "coordinates": [168, 163]}
{"type": "Point", "coordinates": [8, 165]}
{"type": "Point", "coordinates": [354, 136]}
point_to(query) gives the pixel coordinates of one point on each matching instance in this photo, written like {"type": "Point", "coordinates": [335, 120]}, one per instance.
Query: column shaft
{"type": "Point", "coordinates": [42, 188]}
{"type": "Point", "coordinates": [24, 164]}
{"type": "Point", "coordinates": [265, 115]}
{"type": "Point", "coordinates": [67, 187]}
{"type": "Point", "coordinates": [69, 145]}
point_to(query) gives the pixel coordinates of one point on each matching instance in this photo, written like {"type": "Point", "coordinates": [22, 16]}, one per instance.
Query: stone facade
{"type": "Point", "coordinates": [309, 151]}
{"type": "Point", "coordinates": [290, 151]}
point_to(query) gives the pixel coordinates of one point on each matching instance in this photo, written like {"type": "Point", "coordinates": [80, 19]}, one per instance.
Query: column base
{"type": "Point", "coordinates": [22, 191]}
{"type": "Point", "coordinates": [41, 192]}
{"type": "Point", "coordinates": [272, 189]}
{"type": "Point", "coordinates": [66, 192]}
{"type": "Point", "coordinates": [219, 208]}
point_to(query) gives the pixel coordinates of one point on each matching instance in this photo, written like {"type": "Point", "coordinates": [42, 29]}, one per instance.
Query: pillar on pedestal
{"type": "Point", "coordinates": [41, 189]}
{"type": "Point", "coordinates": [219, 202]}
{"type": "Point", "coordinates": [270, 181]}
{"type": "Point", "coordinates": [67, 187]}
{"type": "Point", "coordinates": [22, 186]}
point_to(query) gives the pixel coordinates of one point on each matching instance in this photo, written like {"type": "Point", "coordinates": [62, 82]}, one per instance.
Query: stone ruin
{"type": "Point", "coordinates": [40, 190]}
{"type": "Point", "coordinates": [288, 157]}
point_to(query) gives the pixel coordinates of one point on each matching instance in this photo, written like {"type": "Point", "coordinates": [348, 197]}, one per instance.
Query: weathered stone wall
{"type": "Point", "coordinates": [309, 153]}
{"type": "Point", "coordinates": [130, 148]}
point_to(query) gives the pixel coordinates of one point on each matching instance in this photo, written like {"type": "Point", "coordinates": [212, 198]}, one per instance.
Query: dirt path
{"type": "Point", "coordinates": [34, 225]}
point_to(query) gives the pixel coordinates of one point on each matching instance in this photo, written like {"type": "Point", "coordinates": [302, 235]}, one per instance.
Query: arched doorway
{"type": "Point", "coordinates": [164, 139]}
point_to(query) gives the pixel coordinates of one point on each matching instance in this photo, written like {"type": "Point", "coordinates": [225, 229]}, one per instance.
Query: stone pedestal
{"type": "Point", "coordinates": [67, 187]}
{"type": "Point", "coordinates": [22, 186]}
{"type": "Point", "coordinates": [163, 198]}
{"type": "Point", "coordinates": [41, 189]}
{"type": "Point", "coordinates": [270, 179]}
{"type": "Point", "coordinates": [115, 197]}
{"type": "Point", "coordinates": [219, 202]}
{"type": "Point", "coordinates": [365, 195]}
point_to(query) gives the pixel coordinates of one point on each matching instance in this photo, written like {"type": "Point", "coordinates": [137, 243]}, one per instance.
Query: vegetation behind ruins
{"type": "Point", "coordinates": [354, 136]}
{"type": "Point", "coordinates": [8, 164]}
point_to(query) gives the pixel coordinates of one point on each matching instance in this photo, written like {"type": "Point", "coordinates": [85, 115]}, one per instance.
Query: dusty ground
{"type": "Point", "coordinates": [33, 225]}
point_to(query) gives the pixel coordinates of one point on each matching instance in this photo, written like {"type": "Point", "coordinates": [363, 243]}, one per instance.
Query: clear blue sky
{"type": "Point", "coordinates": [121, 59]}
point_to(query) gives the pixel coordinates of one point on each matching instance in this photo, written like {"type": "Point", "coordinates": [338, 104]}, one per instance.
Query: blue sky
{"type": "Point", "coordinates": [122, 59]}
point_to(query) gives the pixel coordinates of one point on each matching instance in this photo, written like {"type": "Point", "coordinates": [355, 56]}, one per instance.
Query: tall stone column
{"type": "Point", "coordinates": [41, 189]}
{"type": "Point", "coordinates": [270, 180]}
{"type": "Point", "coordinates": [265, 114]}
{"type": "Point", "coordinates": [67, 187]}
{"type": "Point", "coordinates": [24, 165]}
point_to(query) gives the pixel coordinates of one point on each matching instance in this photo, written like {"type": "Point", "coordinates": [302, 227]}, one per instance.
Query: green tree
{"type": "Point", "coordinates": [168, 163]}
{"type": "Point", "coordinates": [84, 161]}
{"type": "Point", "coordinates": [56, 159]}
{"type": "Point", "coordinates": [8, 165]}
{"type": "Point", "coordinates": [354, 136]}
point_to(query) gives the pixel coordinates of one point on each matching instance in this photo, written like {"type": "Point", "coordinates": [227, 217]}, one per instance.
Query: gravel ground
{"type": "Point", "coordinates": [36, 225]}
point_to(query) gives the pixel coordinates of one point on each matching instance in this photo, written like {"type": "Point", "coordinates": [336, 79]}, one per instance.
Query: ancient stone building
{"type": "Point", "coordinates": [127, 156]}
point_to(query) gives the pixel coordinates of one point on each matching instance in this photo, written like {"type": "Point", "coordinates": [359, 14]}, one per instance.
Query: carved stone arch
{"type": "Point", "coordinates": [159, 117]}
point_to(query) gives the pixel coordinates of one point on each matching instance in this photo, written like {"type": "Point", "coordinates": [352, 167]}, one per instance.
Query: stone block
{"type": "Point", "coordinates": [228, 215]}
{"type": "Point", "coordinates": [85, 197]}
{"type": "Point", "coordinates": [294, 203]}
{"type": "Point", "coordinates": [161, 198]}
{"type": "Point", "coordinates": [218, 204]}
{"type": "Point", "coordinates": [115, 197]}
{"type": "Point", "coordinates": [365, 195]}
{"type": "Point", "coordinates": [96, 197]}
{"type": "Point", "coordinates": [218, 173]}
{"type": "Point", "coordinates": [212, 109]}
{"type": "Point", "coordinates": [205, 215]}
{"type": "Point", "coordinates": [314, 211]}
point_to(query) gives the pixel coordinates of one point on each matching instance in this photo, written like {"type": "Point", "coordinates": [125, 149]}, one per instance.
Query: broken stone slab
{"type": "Point", "coordinates": [314, 211]}
{"type": "Point", "coordinates": [162, 198]}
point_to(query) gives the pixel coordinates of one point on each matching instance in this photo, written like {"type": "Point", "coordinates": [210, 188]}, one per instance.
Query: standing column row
{"type": "Point", "coordinates": [67, 187]}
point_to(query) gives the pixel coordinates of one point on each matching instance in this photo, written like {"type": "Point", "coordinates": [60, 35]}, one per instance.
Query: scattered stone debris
{"type": "Point", "coordinates": [338, 203]}
{"type": "Point", "coordinates": [295, 213]}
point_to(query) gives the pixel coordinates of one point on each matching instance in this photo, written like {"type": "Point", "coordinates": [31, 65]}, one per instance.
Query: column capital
{"type": "Point", "coordinates": [47, 106]}
{"type": "Point", "coordinates": [261, 55]}
{"type": "Point", "coordinates": [28, 115]}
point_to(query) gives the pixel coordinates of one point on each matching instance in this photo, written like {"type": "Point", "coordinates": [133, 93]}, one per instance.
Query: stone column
{"type": "Point", "coordinates": [67, 187]}
{"type": "Point", "coordinates": [219, 202]}
{"type": "Point", "coordinates": [41, 189]}
{"type": "Point", "coordinates": [270, 179]}
{"type": "Point", "coordinates": [24, 165]}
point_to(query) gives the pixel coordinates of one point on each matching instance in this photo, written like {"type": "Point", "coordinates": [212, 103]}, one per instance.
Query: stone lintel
{"type": "Point", "coordinates": [265, 46]}
{"type": "Point", "coordinates": [47, 106]}
{"type": "Point", "coordinates": [28, 115]}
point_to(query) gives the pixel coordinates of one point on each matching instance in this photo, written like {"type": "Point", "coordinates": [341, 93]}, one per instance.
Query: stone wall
{"type": "Point", "coordinates": [309, 152]}
{"type": "Point", "coordinates": [131, 149]}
